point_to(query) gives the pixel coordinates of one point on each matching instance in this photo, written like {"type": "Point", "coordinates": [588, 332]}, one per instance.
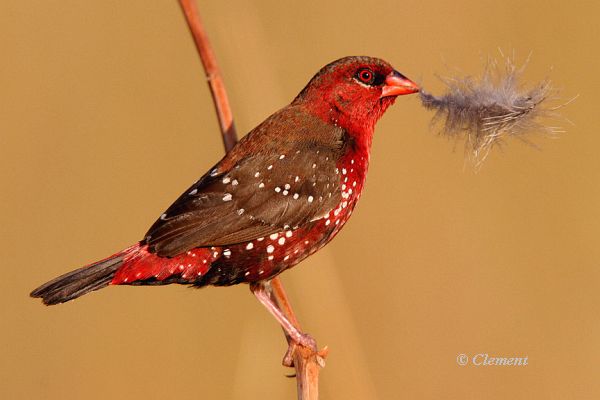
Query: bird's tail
{"type": "Point", "coordinates": [81, 281]}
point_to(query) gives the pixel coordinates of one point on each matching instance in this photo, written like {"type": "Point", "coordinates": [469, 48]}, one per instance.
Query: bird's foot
{"type": "Point", "coordinates": [304, 339]}
{"type": "Point", "coordinates": [306, 345]}
{"type": "Point", "coordinates": [299, 344]}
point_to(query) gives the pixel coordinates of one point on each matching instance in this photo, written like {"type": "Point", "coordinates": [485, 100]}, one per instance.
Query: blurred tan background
{"type": "Point", "coordinates": [105, 118]}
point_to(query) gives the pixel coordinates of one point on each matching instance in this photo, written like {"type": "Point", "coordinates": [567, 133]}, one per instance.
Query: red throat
{"type": "Point", "coordinates": [358, 120]}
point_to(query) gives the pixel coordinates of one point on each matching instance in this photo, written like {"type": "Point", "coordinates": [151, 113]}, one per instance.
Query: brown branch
{"type": "Point", "coordinates": [306, 362]}
{"type": "Point", "coordinates": [211, 70]}
{"type": "Point", "coordinates": [282, 300]}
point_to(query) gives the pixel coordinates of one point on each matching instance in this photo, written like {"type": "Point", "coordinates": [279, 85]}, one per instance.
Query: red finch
{"type": "Point", "coordinates": [282, 193]}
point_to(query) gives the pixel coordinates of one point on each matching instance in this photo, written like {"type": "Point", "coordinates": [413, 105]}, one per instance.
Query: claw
{"type": "Point", "coordinates": [308, 341]}
{"type": "Point", "coordinates": [288, 358]}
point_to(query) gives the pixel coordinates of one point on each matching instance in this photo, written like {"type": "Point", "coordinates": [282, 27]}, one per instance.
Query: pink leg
{"type": "Point", "coordinates": [262, 291]}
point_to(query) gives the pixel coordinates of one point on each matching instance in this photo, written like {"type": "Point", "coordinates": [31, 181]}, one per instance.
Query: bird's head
{"type": "Point", "coordinates": [354, 92]}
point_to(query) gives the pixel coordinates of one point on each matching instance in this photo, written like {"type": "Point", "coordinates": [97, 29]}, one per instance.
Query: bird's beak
{"type": "Point", "coordinates": [397, 84]}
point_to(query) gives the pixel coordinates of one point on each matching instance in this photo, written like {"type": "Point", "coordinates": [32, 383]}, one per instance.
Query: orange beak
{"type": "Point", "coordinates": [397, 84]}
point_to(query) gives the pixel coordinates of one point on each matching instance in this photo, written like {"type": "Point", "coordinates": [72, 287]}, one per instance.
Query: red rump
{"type": "Point", "coordinates": [141, 265]}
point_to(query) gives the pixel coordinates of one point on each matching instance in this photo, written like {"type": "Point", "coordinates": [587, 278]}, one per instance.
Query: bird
{"type": "Point", "coordinates": [282, 193]}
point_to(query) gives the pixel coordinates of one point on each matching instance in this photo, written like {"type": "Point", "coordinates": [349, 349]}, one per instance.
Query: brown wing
{"type": "Point", "coordinates": [261, 194]}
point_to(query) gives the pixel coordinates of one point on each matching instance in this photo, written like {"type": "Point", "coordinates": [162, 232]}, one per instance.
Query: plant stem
{"type": "Point", "coordinates": [212, 72]}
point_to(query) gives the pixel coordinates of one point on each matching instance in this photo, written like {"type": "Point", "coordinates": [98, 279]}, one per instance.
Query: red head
{"type": "Point", "coordinates": [354, 92]}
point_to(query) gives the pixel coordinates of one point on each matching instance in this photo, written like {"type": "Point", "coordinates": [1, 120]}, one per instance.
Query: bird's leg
{"type": "Point", "coordinates": [280, 298]}
{"type": "Point", "coordinates": [262, 291]}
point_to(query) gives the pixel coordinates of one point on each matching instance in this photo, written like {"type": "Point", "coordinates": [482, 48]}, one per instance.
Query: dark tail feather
{"type": "Point", "coordinates": [79, 282]}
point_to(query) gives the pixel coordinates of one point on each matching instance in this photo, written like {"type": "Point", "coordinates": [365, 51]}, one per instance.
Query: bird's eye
{"type": "Point", "coordinates": [365, 75]}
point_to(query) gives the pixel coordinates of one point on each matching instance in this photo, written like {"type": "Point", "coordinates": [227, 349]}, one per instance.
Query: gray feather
{"type": "Point", "coordinates": [486, 110]}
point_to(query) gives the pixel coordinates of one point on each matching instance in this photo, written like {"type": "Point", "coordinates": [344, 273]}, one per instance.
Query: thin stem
{"type": "Point", "coordinates": [283, 302]}
{"type": "Point", "coordinates": [212, 72]}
